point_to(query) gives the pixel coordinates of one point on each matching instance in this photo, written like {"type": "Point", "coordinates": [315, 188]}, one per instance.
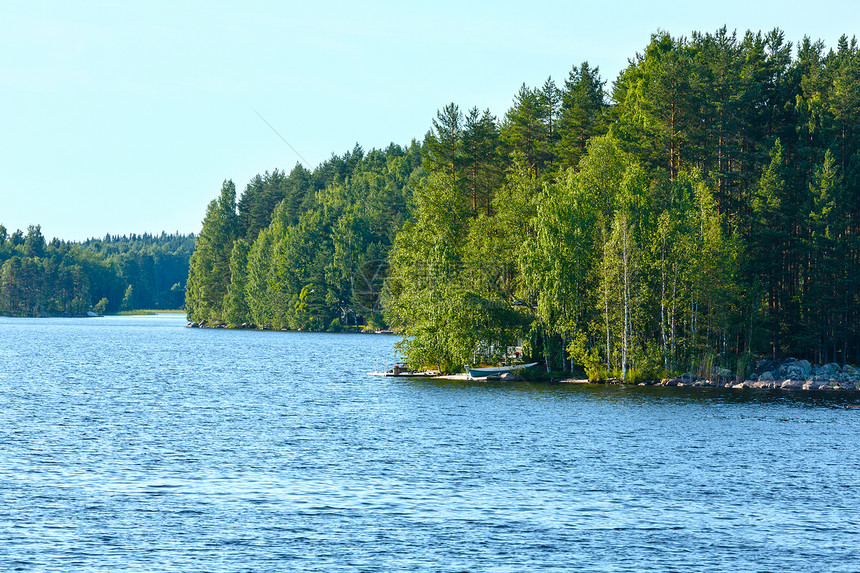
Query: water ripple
{"type": "Point", "coordinates": [134, 444]}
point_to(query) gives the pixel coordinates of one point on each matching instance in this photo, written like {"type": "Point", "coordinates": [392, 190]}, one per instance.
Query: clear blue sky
{"type": "Point", "coordinates": [125, 117]}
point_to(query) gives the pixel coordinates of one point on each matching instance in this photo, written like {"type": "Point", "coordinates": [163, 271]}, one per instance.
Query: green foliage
{"type": "Point", "coordinates": [588, 356]}
{"type": "Point", "coordinates": [209, 271]}
{"type": "Point", "coordinates": [127, 299]}
{"type": "Point", "coordinates": [63, 278]}
{"type": "Point", "coordinates": [304, 250]}
{"type": "Point", "coordinates": [101, 306]}
{"type": "Point", "coordinates": [708, 211]}
{"type": "Point", "coordinates": [236, 311]}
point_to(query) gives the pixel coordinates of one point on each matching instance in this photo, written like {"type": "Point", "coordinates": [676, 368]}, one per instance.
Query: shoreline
{"type": "Point", "coordinates": [346, 330]}
{"type": "Point", "coordinates": [787, 385]}
{"type": "Point", "coordinates": [788, 374]}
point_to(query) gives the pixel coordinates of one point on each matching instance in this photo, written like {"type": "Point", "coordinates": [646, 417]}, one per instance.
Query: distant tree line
{"type": "Point", "coordinates": [703, 209]}
{"type": "Point", "coordinates": [59, 278]}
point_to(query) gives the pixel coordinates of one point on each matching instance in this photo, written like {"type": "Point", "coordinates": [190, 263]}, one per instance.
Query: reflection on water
{"type": "Point", "coordinates": [136, 444]}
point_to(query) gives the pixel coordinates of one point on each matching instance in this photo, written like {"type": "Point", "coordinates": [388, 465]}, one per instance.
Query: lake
{"type": "Point", "coordinates": [135, 444]}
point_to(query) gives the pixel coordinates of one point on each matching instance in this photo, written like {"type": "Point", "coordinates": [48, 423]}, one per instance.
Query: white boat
{"type": "Point", "coordinates": [495, 370]}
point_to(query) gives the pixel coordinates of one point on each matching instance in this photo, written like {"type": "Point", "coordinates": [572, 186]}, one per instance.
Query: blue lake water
{"type": "Point", "coordinates": [135, 444]}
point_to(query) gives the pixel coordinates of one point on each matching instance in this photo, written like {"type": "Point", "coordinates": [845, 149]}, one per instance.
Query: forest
{"type": "Point", "coordinates": [304, 250]}
{"type": "Point", "coordinates": [701, 210]}
{"type": "Point", "coordinates": [59, 278]}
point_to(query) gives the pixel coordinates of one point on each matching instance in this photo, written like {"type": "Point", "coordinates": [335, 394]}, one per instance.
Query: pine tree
{"type": "Point", "coordinates": [481, 173]}
{"type": "Point", "coordinates": [209, 271]}
{"type": "Point", "coordinates": [582, 113]}
{"type": "Point", "coordinates": [236, 311]}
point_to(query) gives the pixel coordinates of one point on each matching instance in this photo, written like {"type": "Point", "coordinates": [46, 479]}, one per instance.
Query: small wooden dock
{"type": "Point", "coordinates": [391, 374]}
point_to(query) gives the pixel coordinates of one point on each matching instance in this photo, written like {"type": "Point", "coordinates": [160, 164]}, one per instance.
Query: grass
{"type": "Point", "coordinates": [144, 311]}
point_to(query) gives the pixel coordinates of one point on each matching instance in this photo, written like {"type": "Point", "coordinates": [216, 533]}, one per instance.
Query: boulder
{"type": "Point", "coordinates": [792, 384]}
{"type": "Point", "coordinates": [766, 366]}
{"type": "Point", "coordinates": [800, 370]}
{"type": "Point", "coordinates": [829, 373]}
{"type": "Point", "coordinates": [722, 374]}
{"type": "Point", "coordinates": [782, 371]}
{"type": "Point", "coordinates": [767, 376]}
{"type": "Point", "coordinates": [827, 370]}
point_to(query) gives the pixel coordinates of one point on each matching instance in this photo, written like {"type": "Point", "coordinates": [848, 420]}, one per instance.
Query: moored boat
{"type": "Point", "coordinates": [495, 370]}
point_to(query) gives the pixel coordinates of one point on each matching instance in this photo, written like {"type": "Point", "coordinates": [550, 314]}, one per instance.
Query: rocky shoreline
{"type": "Point", "coordinates": [787, 374]}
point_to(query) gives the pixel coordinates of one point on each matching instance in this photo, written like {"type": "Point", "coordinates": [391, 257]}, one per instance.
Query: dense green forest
{"type": "Point", "coordinates": [58, 278]}
{"type": "Point", "coordinates": [701, 210]}
{"type": "Point", "coordinates": [306, 250]}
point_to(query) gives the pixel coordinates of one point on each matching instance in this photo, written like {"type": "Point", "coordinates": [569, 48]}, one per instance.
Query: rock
{"type": "Point", "coordinates": [788, 374]}
{"type": "Point", "coordinates": [827, 371]}
{"type": "Point", "coordinates": [722, 374]}
{"type": "Point", "coordinates": [800, 370]}
{"type": "Point", "coordinates": [766, 366]}
{"type": "Point", "coordinates": [782, 371]}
